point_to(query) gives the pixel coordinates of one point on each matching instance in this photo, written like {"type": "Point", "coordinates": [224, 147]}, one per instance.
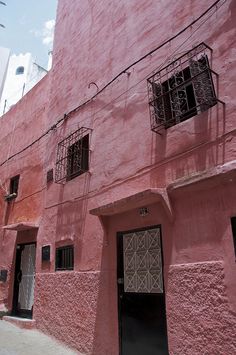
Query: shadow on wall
{"type": "Point", "coordinates": [106, 315]}
{"type": "Point", "coordinates": [190, 147]}
{"type": "Point", "coordinates": [71, 218]}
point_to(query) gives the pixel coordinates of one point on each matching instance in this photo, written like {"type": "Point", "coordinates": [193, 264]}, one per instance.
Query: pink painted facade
{"type": "Point", "coordinates": [185, 176]}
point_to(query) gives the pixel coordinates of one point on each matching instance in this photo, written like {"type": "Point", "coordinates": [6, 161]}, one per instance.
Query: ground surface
{"type": "Point", "coordinates": [16, 341]}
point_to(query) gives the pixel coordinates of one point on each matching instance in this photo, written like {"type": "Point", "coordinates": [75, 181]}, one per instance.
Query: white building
{"type": "Point", "coordinates": [22, 74]}
{"type": "Point", "coordinates": [4, 60]}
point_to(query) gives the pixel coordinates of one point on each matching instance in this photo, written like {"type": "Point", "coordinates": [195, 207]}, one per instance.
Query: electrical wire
{"type": "Point", "coordinates": [66, 115]}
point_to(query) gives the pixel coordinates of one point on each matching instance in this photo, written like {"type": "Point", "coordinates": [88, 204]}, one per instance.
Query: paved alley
{"type": "Point", "coordinates": [16, 341]}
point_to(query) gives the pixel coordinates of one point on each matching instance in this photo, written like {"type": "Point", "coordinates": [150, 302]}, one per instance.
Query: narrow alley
{"type": "Point", "coordinates": [16, 341]}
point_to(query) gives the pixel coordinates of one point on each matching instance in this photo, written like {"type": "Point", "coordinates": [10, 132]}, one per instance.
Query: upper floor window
{"type": "Point", "coordinates": [73, 155]}
{"type": "Point", "coordinates": [13, 188]}
{"type": "Point", "coordinates": [14, 184]}
{"type": "Point", "coordinates": [182, 89]}
{"type": "Point", "coordinates": [20, 70]}
{"type": "Point", "coordinates": [77, 157]}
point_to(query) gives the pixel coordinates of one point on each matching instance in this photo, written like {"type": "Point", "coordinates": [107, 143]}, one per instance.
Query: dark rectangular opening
{"type": "Point", "coordinates": [46, 253]}
{"type": "Point", "coordinates": [233, 225]}
{"type": "Point", "coordinates": [73, 155]}
{"type": "Point", "coordinates": [78, 158]}
{"type": "Point", "coordinates": [50, 175]}
{"type": "Point", "coordinates": [14, 184]}
{"type": "Point", "coordinates": [65, 258]}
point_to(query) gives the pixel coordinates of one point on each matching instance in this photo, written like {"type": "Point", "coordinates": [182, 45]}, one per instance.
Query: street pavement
{"type": "Point", "coordinates": [16, 341]}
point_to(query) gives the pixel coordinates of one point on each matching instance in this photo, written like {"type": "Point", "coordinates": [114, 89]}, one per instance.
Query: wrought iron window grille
{"type": "Point", "coordinates": [73, 155]}
{"type": "Point", "coordinates": [182, 89]}
{"type": "Point", "coordinates": [65, 258]}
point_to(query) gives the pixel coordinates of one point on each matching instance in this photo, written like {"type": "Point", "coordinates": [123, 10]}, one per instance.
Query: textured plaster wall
{"type": "Point", "coordinates": [199, 270]}
{"type": "Point", "coordinates": [120, 115]}
{"type": "Point", "coordinates": [94, 40]}
{"type": "Point", "coordinates": [200, 320]}
{"type": "Point", "coordinates": [24, 123]}
{"type": "Point", "coordinates": [65, 307]}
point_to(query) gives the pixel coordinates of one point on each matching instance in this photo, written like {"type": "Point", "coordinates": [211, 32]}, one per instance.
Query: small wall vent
{"type": "Point", "coordinates": [46, 253]}
{"type": "Point", "coordinates": [50, 175]}
{"type": "Point", "coordinates": [3, 275]}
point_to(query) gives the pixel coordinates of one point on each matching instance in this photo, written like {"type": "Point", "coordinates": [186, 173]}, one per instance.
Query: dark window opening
{"type": "Point", "coordinates": [14, 184]}
{"type": "Point", "coordinates": [73, 155]}
{"type": "Point", "coordinates": [78, 158]}
{"type": "Point", "coordinates": [233, 226]}
{"type": "Point", "coordinates": [181, 90]}
{"type": "Point", "coordinates": [65, 258]}
{"type": "Point", "coordinates": [20, 70]}
{"type": "Point", "coordinates": [46, 253]}
{"type": "Point", "coordinates": [49, 175]}
{"type": "Point", "coordinates": [179, 99]}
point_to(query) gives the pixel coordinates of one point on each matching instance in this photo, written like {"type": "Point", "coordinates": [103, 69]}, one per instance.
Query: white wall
{"type": "Point", "coordinates": [4, 59]}
{"type": "Point", "coordinates": [17, 86]}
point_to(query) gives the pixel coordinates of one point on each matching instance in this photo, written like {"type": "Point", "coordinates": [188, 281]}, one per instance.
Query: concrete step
{"type": "Point", "coordinates": [22, 323]}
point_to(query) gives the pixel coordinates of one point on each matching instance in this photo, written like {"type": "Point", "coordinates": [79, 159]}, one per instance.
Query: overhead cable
{"type": "Point", "coordinates": [66, 115]}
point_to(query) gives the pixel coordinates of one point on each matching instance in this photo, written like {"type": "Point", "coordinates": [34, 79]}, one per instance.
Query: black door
{"type": "Point", "coordinates": [23, 297]}
{"type": "Point", "coordinates": [141, 299]}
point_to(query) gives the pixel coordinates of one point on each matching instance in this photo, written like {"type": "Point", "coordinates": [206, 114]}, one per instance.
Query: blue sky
{"type": "Point", "coordinates": [28, 27]}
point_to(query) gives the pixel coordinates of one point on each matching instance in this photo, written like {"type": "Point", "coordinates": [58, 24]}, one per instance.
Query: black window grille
{"type": "Point", "coordinates": [233, 226]}
{"type": "Point", "coordinates": [182, 89]}
{"type": "Point", "coordinates": [73, 155]}
{"type": "Point", "coordinates": [65, 258]}
{"type": "Point", "coordinates": [14, 184]}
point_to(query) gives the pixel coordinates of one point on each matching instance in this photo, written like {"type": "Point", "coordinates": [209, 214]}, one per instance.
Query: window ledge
{"type": "Point", "coordinates": [21, 226]}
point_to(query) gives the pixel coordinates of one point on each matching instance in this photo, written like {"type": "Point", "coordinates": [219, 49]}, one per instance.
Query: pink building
{"type": "Point", "coordinates": [118, 236]}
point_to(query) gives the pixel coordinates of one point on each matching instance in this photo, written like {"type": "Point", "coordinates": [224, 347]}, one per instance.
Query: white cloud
{"type": "Point", "coordinates": [46, 34]}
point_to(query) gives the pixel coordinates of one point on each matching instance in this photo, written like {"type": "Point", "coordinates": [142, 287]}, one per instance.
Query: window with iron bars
{"type": "Point", "coordinates": [182, 89]}
{"type": "Point", "coordinates": [65, 258]}
{"type": "Point", "coordinates": [73, 155]}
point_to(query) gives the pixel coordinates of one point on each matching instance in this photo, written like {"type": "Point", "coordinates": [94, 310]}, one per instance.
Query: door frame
{"type": "Point", "coordinates": [120, 273]}
{"type": "Point", "coordinates": [15, 311]}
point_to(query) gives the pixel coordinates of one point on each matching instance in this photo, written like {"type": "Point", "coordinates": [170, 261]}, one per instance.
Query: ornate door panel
{"type": "Point", "coordinates": [143, 262]}
{"type": "Point", "coordinates": [141, 299]}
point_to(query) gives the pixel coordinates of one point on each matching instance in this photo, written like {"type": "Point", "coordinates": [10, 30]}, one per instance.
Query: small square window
{"type": "Point", "coordinates": [181, 90]}
{"type": "Point", "coordinates": [20, 70]}
{"type": "Point", "coordinates": [14, 184]}
{"type": "Point", "coordinates": [65, 258]}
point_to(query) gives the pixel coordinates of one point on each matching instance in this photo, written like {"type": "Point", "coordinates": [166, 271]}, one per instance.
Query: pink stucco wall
{"type": "Point", "coordinates": [194, 160]}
